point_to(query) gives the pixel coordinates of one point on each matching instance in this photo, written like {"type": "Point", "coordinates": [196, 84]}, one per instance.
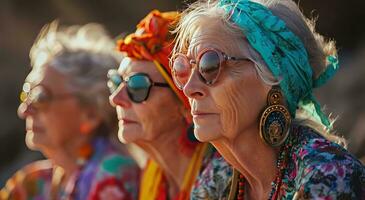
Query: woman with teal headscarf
{"type": "Point", "coordinates": [249, 69]}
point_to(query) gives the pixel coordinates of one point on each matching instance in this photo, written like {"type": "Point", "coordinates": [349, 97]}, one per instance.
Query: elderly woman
{"type": "Point", "coordinates": [154, 114]}
{"type": "Point", "coordinates": [68, 118]}
{"type": "Point", "coordinates": [249, 68]}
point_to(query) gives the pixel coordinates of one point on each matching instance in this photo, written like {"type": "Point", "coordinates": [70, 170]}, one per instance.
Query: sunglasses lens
{"type": "Point", "coordinates": [38, 96]}
{"type": "Point", "coordinates": [114, 80]}
{"type": "Point", "coordinates": [181, 71]}
{"type": "Point", "coordinates": [209, 64]}
{"type": "Point", "coordinates": [138, 87]}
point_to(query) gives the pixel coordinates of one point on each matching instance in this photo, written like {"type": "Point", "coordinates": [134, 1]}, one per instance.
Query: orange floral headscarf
{"type": "Point", "coordinates": [153, 41]}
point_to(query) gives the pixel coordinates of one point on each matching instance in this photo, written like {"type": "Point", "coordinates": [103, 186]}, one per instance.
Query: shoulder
{"type": "Point", "coordinates": [119, 165]}
{"type": "Point", "coordinates": [325, 169]}
{"type": "Point", "coordinates": [109, 159]}
{"type": "Point", "coordinates": [214, 179]}
{"type": "Point", "coordinates": [23, 184]}
{"type": "Point", "coordinates": [112, 174]}
{"type": "Point", "coordinates": [112, 160]}
{"type": "Point", "coordinates": [38, 170]}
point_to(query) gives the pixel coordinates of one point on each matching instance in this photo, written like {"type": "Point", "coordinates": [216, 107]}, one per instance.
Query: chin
{"type": "Point", "coordinates": [206, 134]}
{"type": "Point", "coordinates": [32, 141]}
{"type": "Point", "coordinates": [127, 136]}
{"type": "Point", "coordinates": [122, 138]}
{"type": "Point", "coordinates": [29, 141]}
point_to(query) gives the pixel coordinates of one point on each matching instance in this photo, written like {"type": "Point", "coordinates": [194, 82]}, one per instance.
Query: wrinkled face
{"type": "Point", "coordinates": [231, 105]}
{"type": "Point", "coordinates": [145, 121]}
{"type": "Point", "coordinates": [55, 121]}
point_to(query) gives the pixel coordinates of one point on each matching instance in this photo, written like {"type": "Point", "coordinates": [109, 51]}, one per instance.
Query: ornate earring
{"type": "Point", "coordinates": [275, 120]}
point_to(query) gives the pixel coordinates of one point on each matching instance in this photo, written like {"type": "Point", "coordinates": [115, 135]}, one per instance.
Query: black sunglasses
{"type": "Point", "coordinates": [209, 63]}
{"type": "Point", "coordinates": [138, 85]}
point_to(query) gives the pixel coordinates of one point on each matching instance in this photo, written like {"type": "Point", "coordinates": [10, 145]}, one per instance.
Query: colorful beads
{"type": "Point", "coordinates": [281, 165]}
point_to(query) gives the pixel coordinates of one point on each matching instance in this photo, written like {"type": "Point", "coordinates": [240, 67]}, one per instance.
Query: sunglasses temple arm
{"type": "Point", "coordinates": [235, 58]}
{"type": "Point", "coordinates": [160, 84]}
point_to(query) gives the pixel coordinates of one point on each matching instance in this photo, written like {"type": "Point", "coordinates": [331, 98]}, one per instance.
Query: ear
{"type": "Point", "coordinates": [90, 120]}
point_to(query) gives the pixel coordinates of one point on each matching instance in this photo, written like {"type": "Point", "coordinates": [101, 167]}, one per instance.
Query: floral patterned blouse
{"type": "Point", "coordinates": [317, 169]}
{"type": "Point", "coordinates": [109, 174]}
{"type": "Point", "coordinates": [320, 169]}
{"type": "Point", "coordinates": [214, 180]}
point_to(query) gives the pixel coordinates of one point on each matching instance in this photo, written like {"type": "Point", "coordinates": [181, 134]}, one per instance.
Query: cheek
{"type": "Point", "coordinates": [230, 103]}
{"type": "Point", "coordinates": [145, 115]}
{"type": "Point", "coordinates": [62, 123]}
{"type": "Point", "coordinates": [159, 115]}
{"type": "Point", "coordinates": [239, 101]}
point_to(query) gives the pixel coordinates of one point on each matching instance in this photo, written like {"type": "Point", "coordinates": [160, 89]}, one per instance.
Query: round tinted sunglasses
{"type": "Point", "coordinates": [138, 85]}
{"type": "Point", "coordinates": [209, 63]}
{"type": "Point", "coordinates": [40, 96]}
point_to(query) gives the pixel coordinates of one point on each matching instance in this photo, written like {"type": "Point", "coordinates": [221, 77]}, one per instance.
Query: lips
{"type": "Point", "coordinates": [127, 121]}
{"type": "Point", "coordinates": [197, 113]}
{"type": "Point", "coordinates": [35, 129]}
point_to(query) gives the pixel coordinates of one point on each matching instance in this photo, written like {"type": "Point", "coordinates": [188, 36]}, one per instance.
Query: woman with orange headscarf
{"type": "Point", "coordinates": [154, 114]}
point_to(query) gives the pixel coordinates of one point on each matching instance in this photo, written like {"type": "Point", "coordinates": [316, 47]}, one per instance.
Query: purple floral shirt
{"type": "Point", "coordinates": [109, 174]}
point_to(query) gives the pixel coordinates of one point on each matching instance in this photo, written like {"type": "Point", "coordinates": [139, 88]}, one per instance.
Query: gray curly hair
{"type": "Point", "coordinates": [84, 54]}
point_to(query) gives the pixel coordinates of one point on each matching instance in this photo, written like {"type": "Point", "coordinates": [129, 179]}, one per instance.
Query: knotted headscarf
{"type": "Point", "coordinates": [284, 54]}
{"type": "Point", "coordinates": [153, 41]}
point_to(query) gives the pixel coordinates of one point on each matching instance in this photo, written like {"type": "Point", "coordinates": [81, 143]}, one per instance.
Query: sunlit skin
{"type": "Point", "coordinates": [155, 124]}
{"type": "Point", "coordinates": [226, 113]}
{"type": "Point", "coordinates": [55, 128]}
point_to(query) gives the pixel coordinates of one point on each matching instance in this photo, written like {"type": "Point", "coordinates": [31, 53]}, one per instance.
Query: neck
{"type": "Point", "coordinates": [171, 160]}
{"type": "Point", "coordinates": [255, 160]}
{"type": "Point", "coordinates": [68, 155]}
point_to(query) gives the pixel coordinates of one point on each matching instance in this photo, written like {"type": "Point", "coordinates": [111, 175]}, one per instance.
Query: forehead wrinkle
{"type": "Point", "coordinates": [203, 41]}
{"type": "Point", "coordinates": [221, 40]}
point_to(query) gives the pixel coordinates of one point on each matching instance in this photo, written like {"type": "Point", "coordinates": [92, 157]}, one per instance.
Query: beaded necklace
{"type": "Point", "coordinates": [238, 183]}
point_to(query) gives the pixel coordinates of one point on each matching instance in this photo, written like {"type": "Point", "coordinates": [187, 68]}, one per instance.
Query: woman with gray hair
{"type": "Point", "coordinates": [69, 119]}
{"type": "Point", "coordinates": [248, 69]}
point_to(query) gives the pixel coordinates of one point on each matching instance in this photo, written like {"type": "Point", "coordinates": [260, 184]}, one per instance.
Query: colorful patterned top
{"type": "Point", "coordinates": [320, 169]}
{"type": "Point", "coordinates": [214, 179]}
{"type": "Point", "coordinates": [154, 184]}
{"type": "Point", "coordinates": [317, 169]}
{"type": "Point", "coordinates": [109, 174]}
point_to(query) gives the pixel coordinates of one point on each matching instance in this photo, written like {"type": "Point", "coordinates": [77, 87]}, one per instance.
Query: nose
{"type": "Point", "coordinates": [25, 110]}
{"type": "Point", "coordinates": [120, 97]}
{"type": "Point", "coordinates": [194, 87]}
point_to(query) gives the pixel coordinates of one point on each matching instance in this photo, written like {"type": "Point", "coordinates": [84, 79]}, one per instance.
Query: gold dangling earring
{"type": "Point", "coordinates": [275, 120]}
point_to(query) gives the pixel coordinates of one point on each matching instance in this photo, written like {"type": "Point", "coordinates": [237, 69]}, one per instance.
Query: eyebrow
{"type": "Point", "coordinates": [192, 50]}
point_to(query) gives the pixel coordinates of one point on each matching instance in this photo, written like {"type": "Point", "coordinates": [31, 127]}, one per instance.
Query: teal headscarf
{"type": "Point", "coordinates": [283, 53]}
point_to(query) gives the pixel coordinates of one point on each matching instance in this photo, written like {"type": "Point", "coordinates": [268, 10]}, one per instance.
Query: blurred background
{"type": "Point", "coordinates": [21, 21]}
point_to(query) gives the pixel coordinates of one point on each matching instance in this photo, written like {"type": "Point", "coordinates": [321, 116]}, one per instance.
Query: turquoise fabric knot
{"type": "Point", "coordinates": [329, 72]}
{"type": "Point", "coordinates": [284, 54]}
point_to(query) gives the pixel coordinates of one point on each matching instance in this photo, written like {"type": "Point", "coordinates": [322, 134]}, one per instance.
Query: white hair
{"type": "Point", "coordinates": [84, 54]}
{"type": "Point", "coordinates": [204, 12]}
